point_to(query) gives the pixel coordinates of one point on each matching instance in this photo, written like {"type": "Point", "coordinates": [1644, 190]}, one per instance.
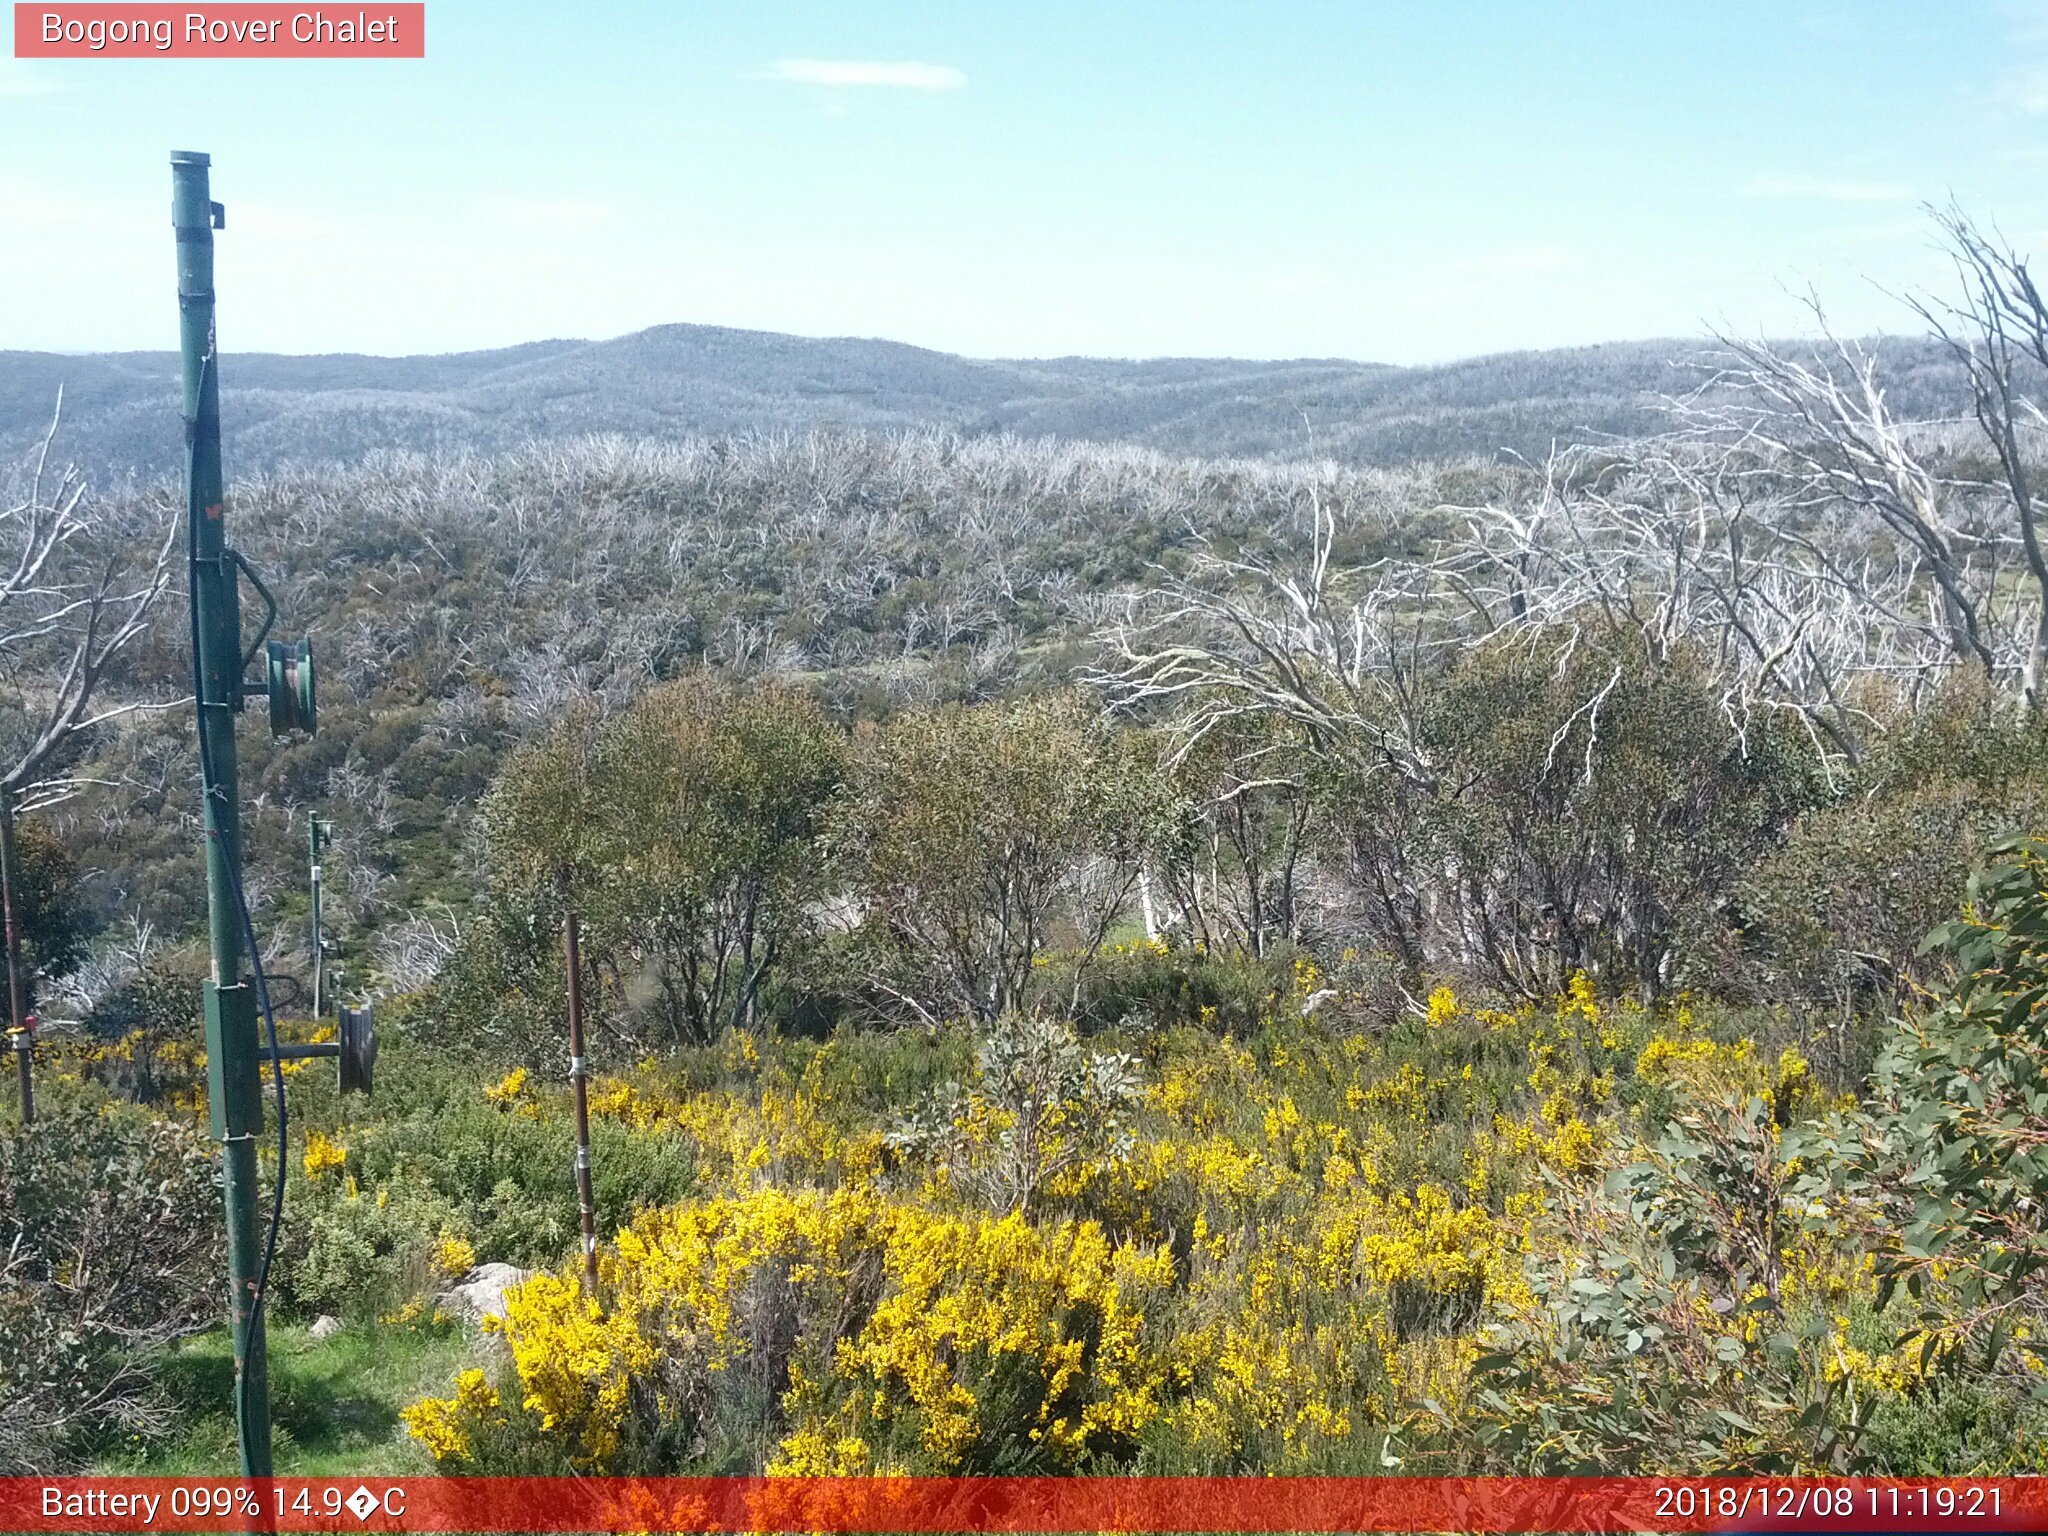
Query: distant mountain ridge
{"type": "Point", "coordinates": [676, 380]}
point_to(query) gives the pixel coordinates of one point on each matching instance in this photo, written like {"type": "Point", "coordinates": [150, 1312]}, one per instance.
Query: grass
{"type": "Point", "coordinates": [334, 1403]}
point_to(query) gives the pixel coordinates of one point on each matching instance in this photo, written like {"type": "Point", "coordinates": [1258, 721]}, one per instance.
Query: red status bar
{"type": "Point", "coordinates": [1024, 1504]}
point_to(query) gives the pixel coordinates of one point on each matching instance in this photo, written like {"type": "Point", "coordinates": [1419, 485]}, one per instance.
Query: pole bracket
{"type": "Point", "coordinates": [234, 1104]}
{"type": "Point", "coordinates": [241, 564]}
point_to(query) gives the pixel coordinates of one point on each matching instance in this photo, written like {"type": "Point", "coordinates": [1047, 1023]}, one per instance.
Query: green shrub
{"type": "Point", "coordinates": [1586, 810]}
{"type": "Point", "coordinates": [363, 1252]}
{"type": "Point", "coordinates": [110, 1243]}
{"type": "Point", "coordinates": [440, 1158]}
{"type": "Point", "coordinates": [1038, 1106]}
{"type": "Point", "coordinates": [1836, 916]}
{"type": "Point", "coordinates": [981, 840]}
{"type": "Point", "coordinates": [1144, 988]}
{"type": "Point", "coordinates": [1661, 1342]}
{"type": "Point", "coordinates": [1957, 1156]}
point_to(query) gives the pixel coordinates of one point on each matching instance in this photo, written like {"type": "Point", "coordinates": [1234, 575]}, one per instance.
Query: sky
{"type": "Point", "coordinates": [1401, 181]}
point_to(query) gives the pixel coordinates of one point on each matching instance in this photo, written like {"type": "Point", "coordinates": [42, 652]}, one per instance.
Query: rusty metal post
{"type": "Point", "coordinates": [21, 1033]}
{"type": "Point", "coordinates": [579, 1083]}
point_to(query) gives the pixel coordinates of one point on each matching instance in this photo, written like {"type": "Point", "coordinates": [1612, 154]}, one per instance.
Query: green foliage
{"type": "Point", "coordinates": [1235, 859]}
{"type": "Point", "coordinates": [1663, 1344]}
{"type": "Point", "coordinates": [152, 1021]}
{"type": "Point", "coordinates": [1634, 1363]}
{"type": "Point", "coordinates": [55, 920]}
{"type": "Point", "coordinates": [1589, 809]}
{"type": "Point", "coordinates": [1040, 1106]}
{"type": "Point", "coordinates": [357, 1253]}
{"type": "Point", "coordinates": [110, 1243]}
{"type": "Point", "coordinates": [546, 819]}
{"type": "Point", "coordinates": [1959, 1143]}
{"type": "Point", "coordinates": [980, 838]}
{"type": "Point", "coordinates": [442, 1158]}
{"type": "Point", "coordinates": [1955, 1427]}
{"type": "Point", "coordinates": [1138, 989]}
{"type": "Point", "coordinates": [1836, 915]}
{"type": "Point", "coordinates": [686, 835]}
{"type": "Point", "coordinates": [503, 997]}
{"type": "Point", "coordinates": [717, 799]}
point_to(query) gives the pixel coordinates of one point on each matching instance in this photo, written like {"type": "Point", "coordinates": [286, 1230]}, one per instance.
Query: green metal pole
{"type": "Point", "coordinates": [232, 1061]}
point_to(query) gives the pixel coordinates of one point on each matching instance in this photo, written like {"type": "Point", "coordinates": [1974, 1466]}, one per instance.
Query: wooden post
{"type": "Point", "coordinates": [17, 1016]}
{"type": "Point", "coordinates": [579, 1084]}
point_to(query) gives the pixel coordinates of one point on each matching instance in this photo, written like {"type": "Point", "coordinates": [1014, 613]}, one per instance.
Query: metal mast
{"type": "Point", "coordinates": [234, 1088]}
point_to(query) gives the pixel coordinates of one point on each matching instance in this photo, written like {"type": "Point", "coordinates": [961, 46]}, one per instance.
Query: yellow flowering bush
{"type": "Point", "coordinates": [1306, 1249]}
{"type": "Point", "coordinates": [939, 1340]}
{"type": "Point", "coordinates": [447, 1426]}
{"type": "Point", "coordinates": [322, 1155]}
{"type": "Point", "coordinates": [454, 1256]}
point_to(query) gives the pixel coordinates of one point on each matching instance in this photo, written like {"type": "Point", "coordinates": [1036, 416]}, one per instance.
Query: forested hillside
{"type": "Point", "coordinates": [690, 380]}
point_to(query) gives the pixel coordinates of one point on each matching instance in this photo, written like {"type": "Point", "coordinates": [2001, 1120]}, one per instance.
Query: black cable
{"type": "Point", "coordinates": [248, 924]}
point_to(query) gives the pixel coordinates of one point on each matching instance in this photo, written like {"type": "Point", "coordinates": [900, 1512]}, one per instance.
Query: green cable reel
{"type": "Point", "coordinates": [293, 703]}
{"type": "Point", "coordinates": [288, 680]}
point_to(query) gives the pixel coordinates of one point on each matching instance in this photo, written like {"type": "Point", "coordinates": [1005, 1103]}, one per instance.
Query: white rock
{"type": "Point", "coordinates": [324, 1327]}
{"type": "Point", "coordinates": [481, 1293]}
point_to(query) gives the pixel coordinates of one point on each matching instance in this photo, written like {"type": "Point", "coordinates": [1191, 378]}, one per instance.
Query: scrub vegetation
{"type": "Point", "coordinates": [1106, 962]}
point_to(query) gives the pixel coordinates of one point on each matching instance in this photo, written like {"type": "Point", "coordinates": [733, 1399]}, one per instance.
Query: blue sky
{"type": "Point", "coordinates": [1403, 182]}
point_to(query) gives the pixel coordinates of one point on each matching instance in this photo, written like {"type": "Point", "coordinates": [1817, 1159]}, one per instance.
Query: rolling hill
{"type": "Point", "coordinates": [680, 380]}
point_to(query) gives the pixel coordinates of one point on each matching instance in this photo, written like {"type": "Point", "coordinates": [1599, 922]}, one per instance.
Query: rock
{"type": "Point", "coordinates": [324, 1327]}
{"type": "Point", "coordinates": [481, 1293]}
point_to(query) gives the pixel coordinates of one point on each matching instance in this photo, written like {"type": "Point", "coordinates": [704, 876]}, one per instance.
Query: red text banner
{"type": "Point", "coordinates": [1023, 1504]}
{"type": "Point", "coordinates": [241, 31]}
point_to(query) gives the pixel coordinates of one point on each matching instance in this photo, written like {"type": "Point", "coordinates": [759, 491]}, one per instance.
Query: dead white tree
{"type": "Point", "coordinates": [1828, 558]}
{"type": "Point", "coordinates": [1998, 330]}
{"type": "Point", "coordinates": [78, 584]}
{"type": "Point", "coordinates": [1822, 427]}
{"type": "Point", "coordinates": [412, 953]}
{"type": "Point", "coordinates": [1677, 541]}
{"type": "Point", "coordinates": [1335, 652]}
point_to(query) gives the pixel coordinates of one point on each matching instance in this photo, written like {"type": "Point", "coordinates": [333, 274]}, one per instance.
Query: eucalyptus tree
{"type": "Point", "coordinates": [978, 838]}
{"type": "Point", "coordinates": [716, 800]}
{"type": "Point", "coordinates": [547, 852]}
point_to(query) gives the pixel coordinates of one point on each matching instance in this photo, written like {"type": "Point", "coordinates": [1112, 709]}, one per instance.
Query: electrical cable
{"type": "Point", "coordinates": [248, 924]}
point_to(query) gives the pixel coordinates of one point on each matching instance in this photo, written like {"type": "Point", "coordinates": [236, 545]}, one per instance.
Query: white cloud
{"type": "Point", "coordinates": [907, 76]}
{"type": "Point", "coordinates": [18, 79]}
{"type": "Point", "coordinates": [1820, 189]}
